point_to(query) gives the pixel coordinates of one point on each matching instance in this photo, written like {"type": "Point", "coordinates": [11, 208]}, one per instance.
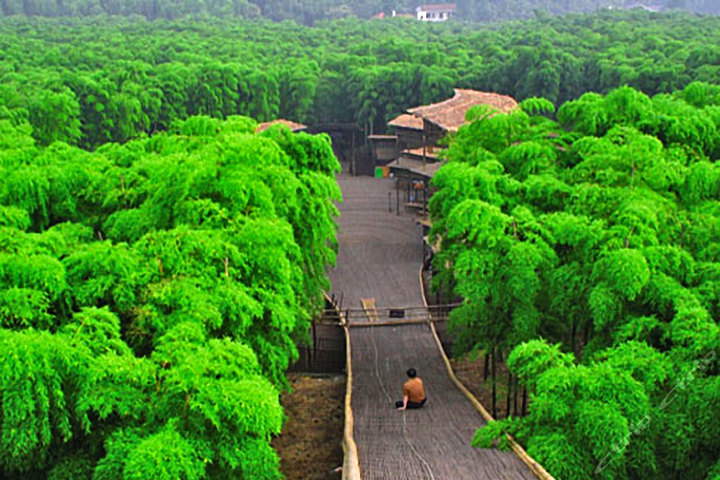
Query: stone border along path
{"type": "Point", "coordinates": [379, 257]}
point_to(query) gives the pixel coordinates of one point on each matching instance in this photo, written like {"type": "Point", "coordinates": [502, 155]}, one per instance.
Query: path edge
{"type": "Point", "coordinates": [351, 464]}
{"type": "Point", "coordinates": [532, 464]}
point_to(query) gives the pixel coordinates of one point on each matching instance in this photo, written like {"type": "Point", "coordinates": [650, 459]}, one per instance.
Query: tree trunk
{"type": "Point", "coordinates": [508, 404]}
{"type": "Point", "coordinates": [524, 402]}
{"type": "Point", "coordinates": [586, 339]}
{"type": "Point", "coordinates": [487, 367]}
{"type": "Point", "coordinates": [515, 398]}
{"type": "Point", "coordinates": [494, 382]}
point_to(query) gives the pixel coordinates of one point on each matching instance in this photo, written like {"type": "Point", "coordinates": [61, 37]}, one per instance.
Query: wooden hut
{"type": "Point", "coordinates": [348, 146]}
{"type": "Point", "coordinates": [384, 148]}
{"type": "Point", "coordinates": [409, 130]}
{"type": "Point", "coordinates": [420, 131]}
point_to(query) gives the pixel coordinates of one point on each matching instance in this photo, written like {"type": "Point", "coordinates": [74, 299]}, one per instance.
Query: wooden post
{"type": "Point", "coordinates": [424, 141]}
{"type": "Point", "coordinates": [313, 358]}
{"type": "Point", "coordinates": [425, 199]}
{"type": "Point", "coordinates": [390, 201]}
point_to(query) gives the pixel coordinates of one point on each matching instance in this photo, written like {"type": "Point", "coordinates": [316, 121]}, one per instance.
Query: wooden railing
{"type": "Point", "coordinates": [351, 464]}
{"type": "Point", "coordinates": [534, 466]}
{"type": "Point", "coordinates": [370, 315]}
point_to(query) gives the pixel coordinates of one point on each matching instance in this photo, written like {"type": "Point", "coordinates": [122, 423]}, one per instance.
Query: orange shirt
{"type": "Point", "coordinates": [414, 390]}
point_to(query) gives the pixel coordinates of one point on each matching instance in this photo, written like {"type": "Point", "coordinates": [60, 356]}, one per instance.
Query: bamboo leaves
{"type": "Point", "coordinates": [40, 380]}
{"type": "Point", "coordinates": [165, 455]}
{"type": "Point", "coordinates": [170, 338]}
{"type": "Point", "coordinates": [625, 272]}
{"type": "Point", "coordinates": [607, 244]}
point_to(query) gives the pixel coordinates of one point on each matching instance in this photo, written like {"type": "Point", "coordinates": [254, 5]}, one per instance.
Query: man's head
{"type": "Point", "coordinates": [411, 373]}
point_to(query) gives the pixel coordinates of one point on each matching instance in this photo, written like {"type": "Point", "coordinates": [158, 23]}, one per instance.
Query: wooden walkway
{"type": "Point", "coordinates": [379, 258]}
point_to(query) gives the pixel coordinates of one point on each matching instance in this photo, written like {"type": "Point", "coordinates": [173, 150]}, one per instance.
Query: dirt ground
{"type": "Point", "coordinates": [309, 446]}
{"type": "Point", "coordinates": [470, 373]}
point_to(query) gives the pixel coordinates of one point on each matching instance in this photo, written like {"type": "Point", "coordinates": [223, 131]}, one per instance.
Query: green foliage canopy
{"type": "Point", "coordinates": [152, 295]}
{"type": "Point", "coordinates": [587, 250]}
{"type": "Point", "coordinates": [106, 79]}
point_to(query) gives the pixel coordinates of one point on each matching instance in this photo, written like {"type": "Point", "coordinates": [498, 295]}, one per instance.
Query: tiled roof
{"type": "Point", "coordinates": [438, 7]}
{"type": "Point", "coordinates": [430, 153]}
{"type": "Point", "coordinates": [417, 167]}
{"type": "Point", "coordinates": [450, 114]}
{"type": "Point", "coordinates": [382, 137]}
{"type": "Point", "coordinates": [294, 126]}
{"type": "Point", "coordinates": [407, 121]}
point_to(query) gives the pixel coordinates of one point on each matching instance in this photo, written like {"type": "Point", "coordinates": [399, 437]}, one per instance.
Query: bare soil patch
{"type": "Point", "coordinates": [310, 443]}
{"type": "Point", "coordinates": [471, 373]}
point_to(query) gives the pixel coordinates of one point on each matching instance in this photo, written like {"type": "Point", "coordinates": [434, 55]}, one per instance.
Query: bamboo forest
{"type": "Point", "coordinates": [183, 198]}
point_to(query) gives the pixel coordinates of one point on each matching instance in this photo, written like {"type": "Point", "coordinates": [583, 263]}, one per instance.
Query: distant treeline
{"type": "Point", "coordinates": [98, 80]}
{"type": "Point", "coordinates": [311, 11]}
{"type": "Point", "coordinates": [493, 10]}
{"type": "Point", "coordinates": [303, 11]}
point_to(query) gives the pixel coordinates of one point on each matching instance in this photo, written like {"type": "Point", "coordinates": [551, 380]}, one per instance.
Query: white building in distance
{"type": "Point", "coordinates": [436, 12]}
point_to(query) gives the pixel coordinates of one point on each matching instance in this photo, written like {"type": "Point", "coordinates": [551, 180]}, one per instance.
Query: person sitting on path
{"type": "Point", "coordinates": [413, 392]}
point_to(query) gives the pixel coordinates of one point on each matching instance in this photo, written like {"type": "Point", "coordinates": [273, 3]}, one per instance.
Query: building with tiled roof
{"type": "Point", "coordinates": [449, 115]}
{"type": "Point", "coordinates": [418, 132]}
{"type": "Point", "coordinates": [294, 126]}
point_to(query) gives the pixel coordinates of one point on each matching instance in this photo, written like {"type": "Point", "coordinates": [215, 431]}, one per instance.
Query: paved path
{"type": "Point", "coordinates": [380, 254]}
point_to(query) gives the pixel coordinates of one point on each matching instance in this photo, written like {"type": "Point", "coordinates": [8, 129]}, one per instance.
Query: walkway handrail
{"type": "Point", "coordinates": [351, 464]}
{"type": "Point", "coordinates": [408, 309]}
{"type": "Point", "coordinates": [370, 315]}
{"type": "Point", "coordinates": [536, 468]}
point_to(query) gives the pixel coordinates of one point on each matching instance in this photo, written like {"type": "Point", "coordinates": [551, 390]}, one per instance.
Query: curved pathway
{"type": "Point", "coordinates": [380, 255]}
